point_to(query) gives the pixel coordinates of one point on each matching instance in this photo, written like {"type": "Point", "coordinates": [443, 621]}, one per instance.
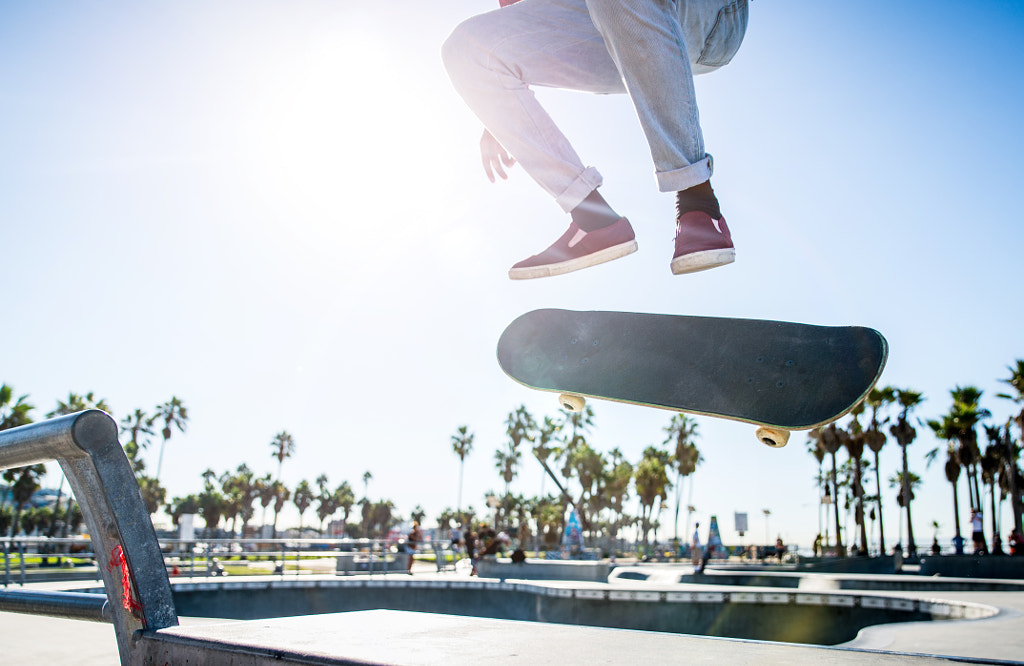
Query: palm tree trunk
{"type": "Point", "coordinates": [679, 492]}
{"type": "Point", "coordinates": [835, 497]}
{"type": "Point", "coordinates": [459, 510]}
{"type": "Point", "coordinates": [160, 459]}
{"type": "Point", "coordinates": [997, 547]}
{"type": "Point", "coordinates": [956, 509]}
{"type": "Point", "coordinates": [881, 527]}
{"type": "Point", "coordinates": [977, 485]}
{"type": "Point", "coordinates": [1014, 491]}
{"type": "Point", "coordinates": [859, 511]}
{"type": "Point", "coordinates": [977, 494]}
{"type": "Point", "coordinates": [911, 546]}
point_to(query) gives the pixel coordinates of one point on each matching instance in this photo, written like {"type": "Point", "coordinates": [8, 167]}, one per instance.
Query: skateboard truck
{"type": "Point", "coordinates": [572, 402]}
{"type": "Point", "coordinates": [773, 437]}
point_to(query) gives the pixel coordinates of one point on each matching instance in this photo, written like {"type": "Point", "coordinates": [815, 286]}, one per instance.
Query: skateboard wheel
{"type": "Point", "coordinates": [773, 437]}
{"type": "Point", "coordinates": [574, 403]}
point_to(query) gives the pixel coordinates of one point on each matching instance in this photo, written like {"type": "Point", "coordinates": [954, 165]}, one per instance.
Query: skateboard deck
{"type": "Point", "coordinates": [775, 374]}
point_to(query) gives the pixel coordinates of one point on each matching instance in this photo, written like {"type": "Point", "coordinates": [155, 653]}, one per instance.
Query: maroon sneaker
{"type": "Point", "coordinates": [701, 243]}
{"type": "Point", "coordinates": [578, 249]}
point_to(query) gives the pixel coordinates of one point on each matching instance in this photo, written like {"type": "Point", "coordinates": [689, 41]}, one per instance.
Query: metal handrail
{"type": "Point", "coordinates": [85, 445]}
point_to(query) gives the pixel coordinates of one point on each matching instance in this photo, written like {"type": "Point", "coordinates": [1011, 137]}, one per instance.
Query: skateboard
{"type": "Point", "coordinates": [779, 376]}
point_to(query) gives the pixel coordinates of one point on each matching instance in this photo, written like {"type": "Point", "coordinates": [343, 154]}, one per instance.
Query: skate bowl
{"type": "Point", "coordinates": [667, 575]}
{"type": "Point", "coordinates": [756, 613]}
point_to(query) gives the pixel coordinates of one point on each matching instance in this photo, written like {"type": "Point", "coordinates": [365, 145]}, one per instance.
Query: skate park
{"type": "Point", "coordinates": [537, 611]}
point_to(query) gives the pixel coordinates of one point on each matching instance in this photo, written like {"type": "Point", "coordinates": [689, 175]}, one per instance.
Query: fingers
{"type": "Point", "coordinates": [493, 156]}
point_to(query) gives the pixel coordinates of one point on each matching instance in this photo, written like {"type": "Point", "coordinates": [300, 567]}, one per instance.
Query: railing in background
{"type": "Point", "coordinates": [71, 559]}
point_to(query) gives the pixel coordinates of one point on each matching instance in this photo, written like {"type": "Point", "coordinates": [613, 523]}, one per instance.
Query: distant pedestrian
{"type": "Point", "coordinates": [455, 535]}
{"type": "Point", "coordinates": [469, 537]}
{"type": "Point", "coordinates": [978, 532]}
{"type": "Point", "coordinates": [412, 541]}
{"type": "Point", "coordinates": [695, 549]}
{"type": "Point", "coordinates": [1016, 543]}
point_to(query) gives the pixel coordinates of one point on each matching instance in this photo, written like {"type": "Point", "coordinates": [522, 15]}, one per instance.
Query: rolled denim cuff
{"type": "Point", "coordinates": [585, 183]}
{"type": "Point", "coordinates": [687, 177]}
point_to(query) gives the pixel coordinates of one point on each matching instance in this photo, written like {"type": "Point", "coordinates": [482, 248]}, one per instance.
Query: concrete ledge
{"type": "Point", "coordinates": [974, 566]}
{"type": "Point", "coordinates": [848, 565]}
{"type": "Point", "coordinates": [536, 569]}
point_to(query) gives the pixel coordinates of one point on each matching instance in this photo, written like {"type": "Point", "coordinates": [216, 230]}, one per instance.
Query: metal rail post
{"type": "Point", "coordinates": [86, 447]}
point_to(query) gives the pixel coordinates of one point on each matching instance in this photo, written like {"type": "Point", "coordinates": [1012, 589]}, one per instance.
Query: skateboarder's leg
{"type": "Point", "coordinates": [658, 46]}
{"type": "Point", "coordinates": [494, 58]}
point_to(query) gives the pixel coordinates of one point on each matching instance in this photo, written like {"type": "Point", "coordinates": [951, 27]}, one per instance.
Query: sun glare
{"type": "Point", "coordinates": [346, 139]}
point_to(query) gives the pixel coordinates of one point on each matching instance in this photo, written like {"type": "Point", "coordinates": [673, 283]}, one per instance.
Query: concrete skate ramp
{"type": "Point", "coordinates": [822, 618]}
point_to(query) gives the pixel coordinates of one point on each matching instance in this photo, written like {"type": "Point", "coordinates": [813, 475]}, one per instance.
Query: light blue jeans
{"type": "Point", "coordinates": [649, 49]}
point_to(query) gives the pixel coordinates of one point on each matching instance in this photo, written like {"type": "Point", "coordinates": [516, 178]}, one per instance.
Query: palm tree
{"type": "Point", "coordinates": [367, 476]}
{"type": "Point", "coordinates": [180, 506]}
{"type": "Point", "coordinates": [240, 491]}
{"type": "Point", "coordinates": [520, 426]}
{"type": "Point", "coordinates": [681, 431]}
{"type": "Point", "coordinates": [831, 441]}
{"type": "Point", "coordinates": [906, 483]}
{"type": "Point", "coordinates": [326, 505]}
{"type": "Point", "coordinates": [246, 483]}
{"type": "Point", "coordinates": [878, 399]}
{"type": "Point", "coordinates": [78, 403]}
{"type": "Point", "coordinates": [345, 499]}
{"type": "Point", "coordinates": [138, 426]}
{"type": "Point", "coordinates": [992, 464]}
{"type": "Point", "coordinates": [24, 483]}
{"type": "Point", "coordinates": [854, 444]}
{"type": "Point", "coordinates": [175, 415]}
{"type": "Point", "coordinates": [13, 413]}
{"type": "Point", "coordinates": [652, 484]}
{"type": "Point", "coordinates": [263, 489]}
{"type": "Point", "coordinates": [589, 467]}
{"type": "Point", "coordinates": [381, 516]}
{"type": "Point", "coordinates": [507, 464]}
{"type": "Point", "coordinates": [302, 498]}
{"type": "Point", "coordinates": [617, 489]}
{"type": "Point", "coordinates": [905, 435]}
{"type": "Point", "coordinates": [153, 494]}
{"type": "Point", "coordinates": [282, 448]}
{"type": "Point", "coordinates": [1016, 382]}
{"type": "Point", "coordinates": [212, 504]}
{"type": "Point", "coordinates": [462, 444]}
{"type": "Point", "coordinates": [281, 495]}
{"type": "Point", "coordinates": [967, 414]}
{"type": "Point", "coordinates": [945, 430]}
{"type": "Point", "coordinates": [817, 449]}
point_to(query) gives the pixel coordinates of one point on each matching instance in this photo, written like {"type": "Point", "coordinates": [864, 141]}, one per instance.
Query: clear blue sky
{"type": "Point", "coordinates": [275, 211]}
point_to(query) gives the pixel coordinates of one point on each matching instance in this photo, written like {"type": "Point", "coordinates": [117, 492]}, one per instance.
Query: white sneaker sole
{"type": "Point", "coordinates": [702, 261]}
{"type": "Point", "coordinates": [599, 257]}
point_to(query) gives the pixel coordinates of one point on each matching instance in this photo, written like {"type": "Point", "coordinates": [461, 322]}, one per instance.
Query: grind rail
{"type": "Point", "coordinates": [138, 592]}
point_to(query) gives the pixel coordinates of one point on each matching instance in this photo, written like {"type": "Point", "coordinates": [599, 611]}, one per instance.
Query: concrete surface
{"type": "Point", "coordinates": [425, 639]}
{"type": "Point", "coordinates": [417, 638]}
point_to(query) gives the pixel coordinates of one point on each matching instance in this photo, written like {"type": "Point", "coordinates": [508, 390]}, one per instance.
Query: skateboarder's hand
{"type": "Point", "coordinates": [493, 156]}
